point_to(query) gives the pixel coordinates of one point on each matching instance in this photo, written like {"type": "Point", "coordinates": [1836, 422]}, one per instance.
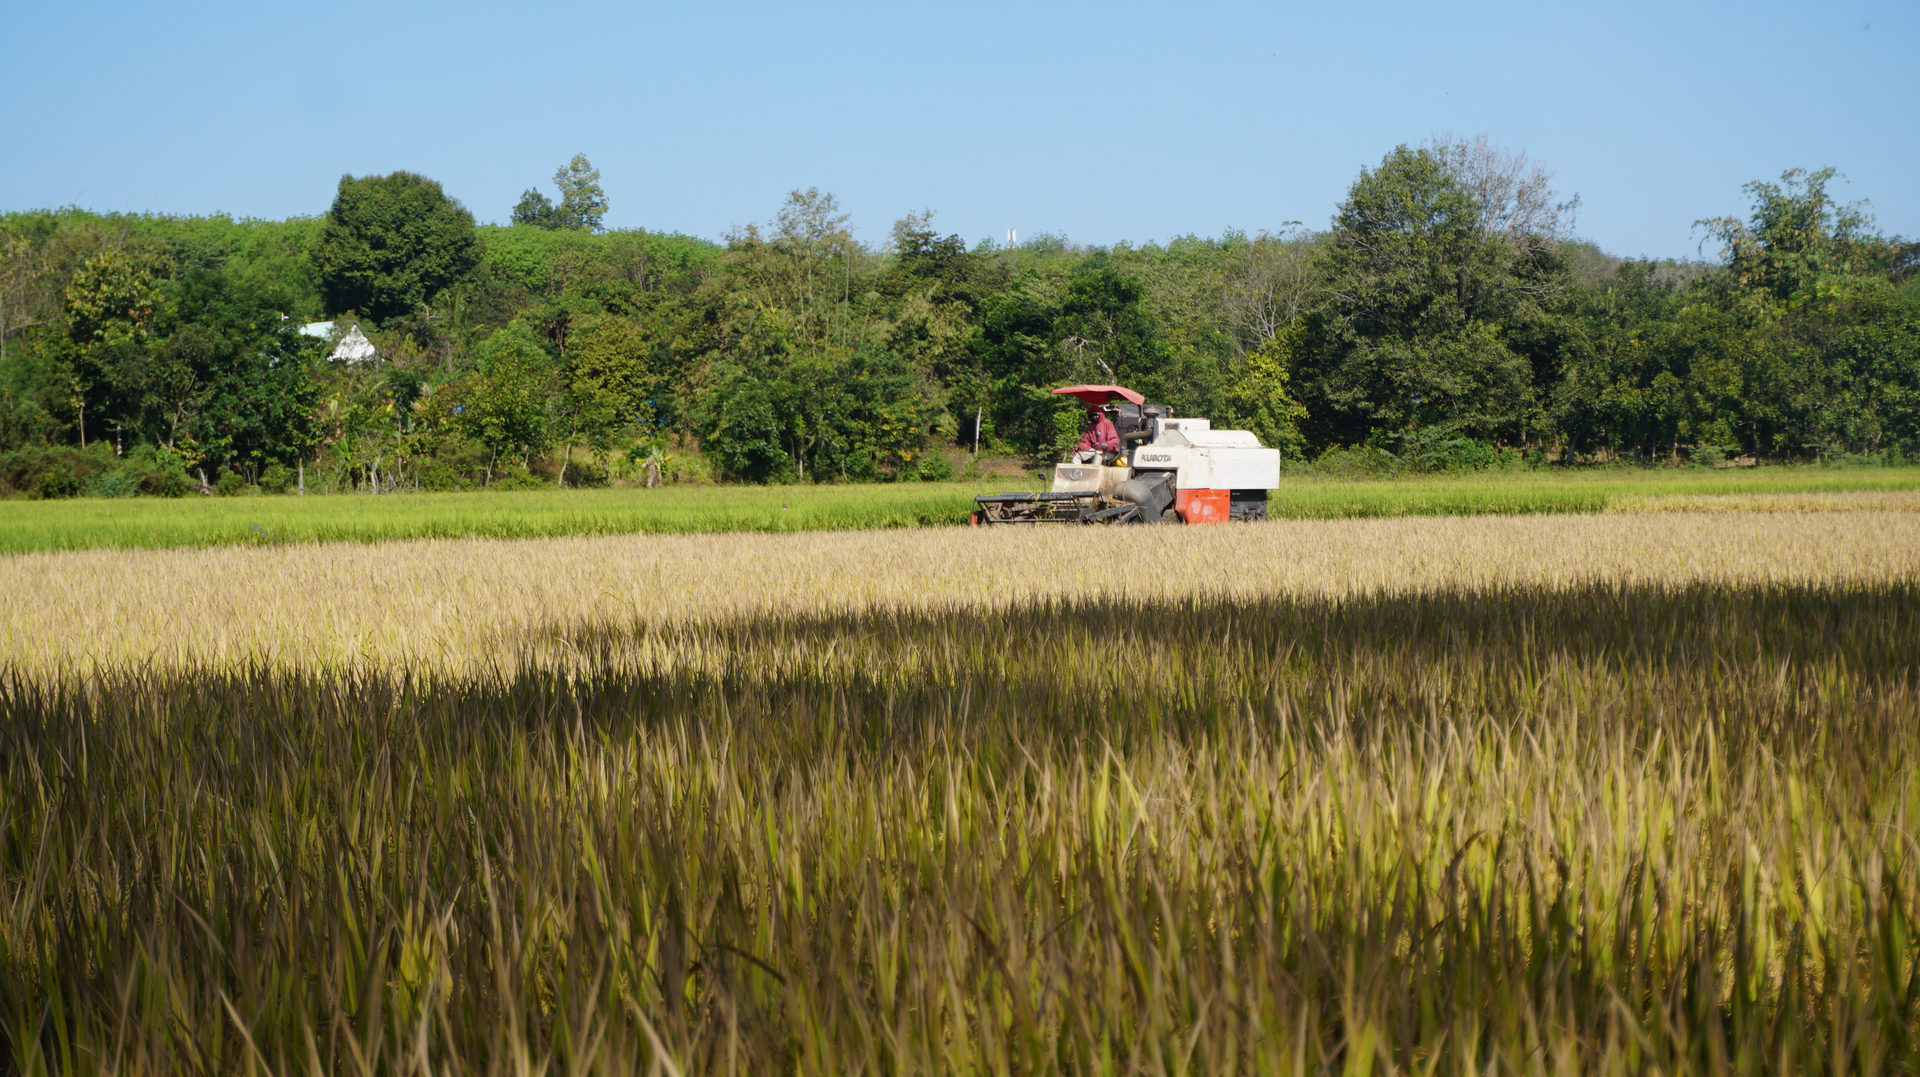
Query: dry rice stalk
{"type": "Point", "coordinates": [1860, 501]}
{"type": "Point", "coordinates": [465, 605]}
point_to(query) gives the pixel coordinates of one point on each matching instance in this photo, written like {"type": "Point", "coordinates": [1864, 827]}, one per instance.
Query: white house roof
{"type": "Point", "coordinates": [355, 347]}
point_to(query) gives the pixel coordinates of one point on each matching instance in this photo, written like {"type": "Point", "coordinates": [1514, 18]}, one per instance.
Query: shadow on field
{"type": "Point", "coordinates": [1506, 830]}
{"type": "Point", "coordinates": [1871, 627]}
{"type": "Point", "coordinates": [1762, 661]}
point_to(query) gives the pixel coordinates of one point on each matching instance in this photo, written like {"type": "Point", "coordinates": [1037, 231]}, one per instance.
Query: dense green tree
{"type": "Point", "coordinates": [582, 206]}
{"type": "Point", "coordinates": [1802, 273]}
{"type": "Point", "coordinates": [1624, 389]}
{"type": "Point", "coordinates": [510, 407]}
{"type": "Point", "coordinates": [535, 209]}
{"type": "Point", "coordinates": [1017, 353]}
{"type": "Point", "coordinates": [615, 384]}
{"type": "Point", "coordinates": [861, 415]}
{"type": "Point", "coordinates": [1089, 324]}
{"type": "Point", "coordinates": [934, 287]}
{"type": "Point", "coordinates": [1798, 242]}
{"type": "Point", "coordinates": [740, 415]}
{"type": "Point", "coordinates": [234, 382]}
{"type": "Point", "coordinates": [391, 244]}
{"type": "Point", "coordinates": [844, 389]}
{"type": "Point", "coordinates": [112, 304]}
{"type": "Point", "coordinates": [1103, 327]}
{"type": "Point", "coordinates": [1261, 398]}
{"type": "Point", "coordinates": [1420, 313]}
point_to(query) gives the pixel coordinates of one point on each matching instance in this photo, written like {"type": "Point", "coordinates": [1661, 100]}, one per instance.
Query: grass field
{"type": "Point", "coordinates": [1623, 793]}
{"type": "Point", "coordinates": [94, 523]}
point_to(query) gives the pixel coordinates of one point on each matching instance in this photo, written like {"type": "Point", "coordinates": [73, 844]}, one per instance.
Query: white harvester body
{"type": "Point", "coordinates": [1203, 458]}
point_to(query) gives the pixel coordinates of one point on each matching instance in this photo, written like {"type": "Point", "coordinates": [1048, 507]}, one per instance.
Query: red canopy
{"type": "Point", "coordinates": [1100, 394]}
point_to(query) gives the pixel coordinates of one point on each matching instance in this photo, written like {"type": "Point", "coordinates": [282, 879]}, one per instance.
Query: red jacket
{"type": "Point", "coordinates": [1100, 437]}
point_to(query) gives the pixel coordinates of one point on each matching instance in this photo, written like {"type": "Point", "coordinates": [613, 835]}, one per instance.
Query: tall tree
{"type": "Point", "coordinates": [1803, 273]}
{"type": "Point", "coordinates": [391, 244]}
{"type": "Point", "coordinates": [582, 203]}
{"type": "Point", "coordinates": [111, 306]}
{"type": "Point", "coordinates": [510, 407]}
{"type": "Point", "coordinates": [1797, 238]}
{"type": "Point", "coordinates": [614, 385]}
{"type": "Point", "coordinates": [1428, 321]}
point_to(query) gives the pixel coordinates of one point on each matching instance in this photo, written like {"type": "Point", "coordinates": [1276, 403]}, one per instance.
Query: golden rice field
{"type": "Point", "coordinates": [1620, 793]}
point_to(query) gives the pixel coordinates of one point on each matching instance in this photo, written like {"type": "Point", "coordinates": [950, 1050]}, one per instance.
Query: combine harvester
{"type": "Point", "coordinates": [1162, 470]}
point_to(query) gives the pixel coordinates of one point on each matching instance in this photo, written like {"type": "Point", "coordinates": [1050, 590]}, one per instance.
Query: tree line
{"type": "Point", "coordinates": [1447, 317]}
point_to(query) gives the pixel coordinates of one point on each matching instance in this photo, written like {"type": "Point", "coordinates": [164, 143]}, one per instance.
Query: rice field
{"type": "Point", "coordinates": [149, 523]}
{"type": "Point", "coordinates": [1631, 792]}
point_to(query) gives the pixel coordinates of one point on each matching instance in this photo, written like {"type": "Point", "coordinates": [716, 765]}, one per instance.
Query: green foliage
{"type": "Point", "coordinates": [617, 384]}
{"type": "Point", "coordinates": [1801, 347]}
{"type": "Point", "coordinates": [741, 424]}
{"type": "Point", "coordinates": [934, 467]}
{"type": "Point", "coordinates": [61, 471]}
{"type": "Point", "coordinates": [276, 479]}
{"type": "Point", "coordinates": [534, 208]}
{"type": "Point", "coordinates": [582, 202]}
{"type": "Point", "coordinates": [1261, 400]}
{"type": "Point", "coordinates": [111, 300]}
{"type": "Point", "coordinates": [509, 405]}
{"type": "Point", "coordinates": [1447, 320]}
{"type": "Point", "coordinates": [1421, 305]}
{"type": "Point", "coordinates": [618, 267]}
{"type": "Point", "coordinates": [391, 244]}
{"type": "Point", "coordinates": [1799, 244]}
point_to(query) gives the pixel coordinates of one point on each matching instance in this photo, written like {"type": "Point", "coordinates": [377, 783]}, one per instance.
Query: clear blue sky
{"type": "Point", "coordinates": [1100, 121]}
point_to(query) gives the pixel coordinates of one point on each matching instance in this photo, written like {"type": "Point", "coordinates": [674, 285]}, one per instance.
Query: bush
{"type": "Point", "coordinates": [44, 471]}
{"type": "Point", "coordinates": [161, 482]}
{"type": "Point", "coordinates": [935, 467]}
{"type": "Point", "coordinates": [689, 468]}
{"type": "Point", "coordinates": [1710, 455]}
{"type": "Point", "coordinates": [116, 483]}
{"type": "Point", "coordinates": [1359, 461]}
{"type": "Point", "coordinates": [514, 477]}
{"type": "Point", "coordinates": [230, 483]}
{"type": "Point", "coordinates": [1443, 448]}
{"type": "Point", "coordinates": [276, 479]}
{"type": "Point", "coordinates": [157, 471]}
{"type": "Point", "coordinates": [458, 464]}
{"type": "Point", "coordinates": [436, 473]}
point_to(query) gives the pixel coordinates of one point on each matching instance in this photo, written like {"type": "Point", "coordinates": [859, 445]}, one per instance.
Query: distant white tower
{"type": "Point", "coordinates": [1013, 238]}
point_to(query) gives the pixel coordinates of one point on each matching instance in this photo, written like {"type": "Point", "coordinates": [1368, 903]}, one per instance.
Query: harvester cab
{"type": "Point", "coordinates": [1167, 470]}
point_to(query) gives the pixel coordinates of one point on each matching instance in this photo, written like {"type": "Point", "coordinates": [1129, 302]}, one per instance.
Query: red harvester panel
{"type": "Point", "coordinates": [1203, 506]}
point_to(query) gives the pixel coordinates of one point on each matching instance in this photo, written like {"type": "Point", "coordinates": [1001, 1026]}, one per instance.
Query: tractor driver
{"type": "Point", "coordinates": [1100, 442]}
